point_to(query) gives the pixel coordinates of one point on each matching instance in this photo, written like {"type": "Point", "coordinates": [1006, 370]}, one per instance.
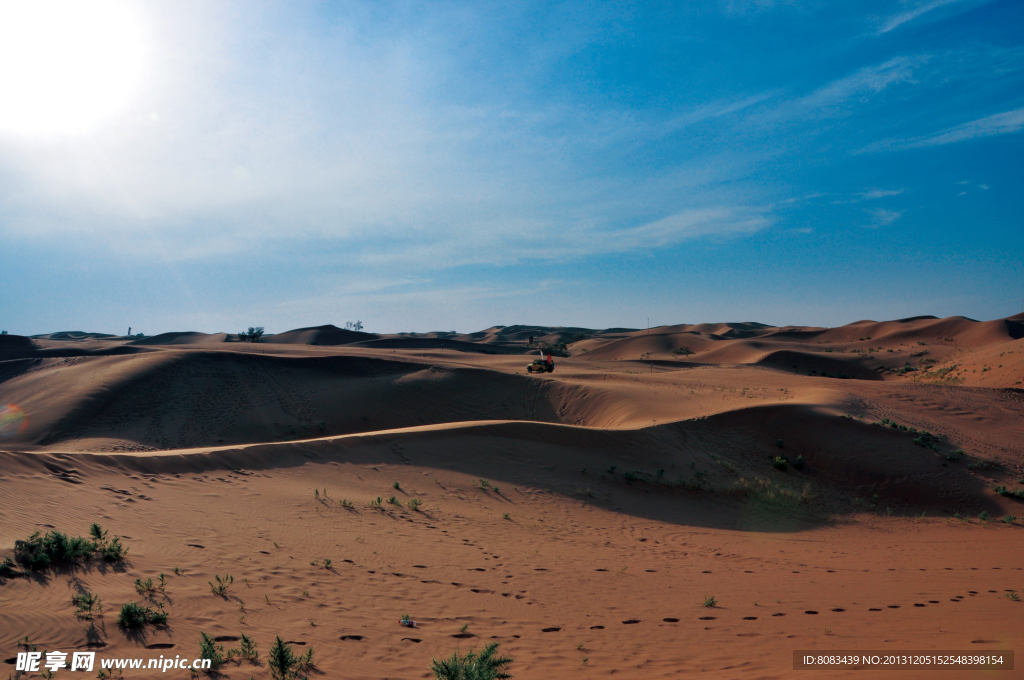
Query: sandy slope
{"type": "Point", "coordinates": [634, 489]}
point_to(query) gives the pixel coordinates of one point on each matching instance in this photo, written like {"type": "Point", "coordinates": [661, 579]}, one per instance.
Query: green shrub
{"type": "Point", "coordinates": [209, 649]}
{"type": "Point", "coordinates": [86, 605]}
{"type": "Point", "coordinates": [7, 568]}
{"type": "Point", "coordinates": [414, 504]}
{"type": "Point", "coordinates": [134, 615]}
{"type": "Point", "coordinates": [483, 666]}
{"type": "Point", "coordinates": [248, 650]}
{"type": "Point", "coordinates": [780, 463]}
{"type": "Point", "coordinates": [114, 551]}
{"type": "Point", "coordinates": [710, 602]}
{"type": "Point", "coordinates": [284, 665]}
{"type": "Point", "coordinates": [222, 584]}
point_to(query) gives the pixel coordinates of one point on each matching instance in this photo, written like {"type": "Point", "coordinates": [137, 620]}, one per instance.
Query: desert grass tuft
{"type": "Point", "coordinates": [87, 605]}
{"type": "Point", "coordinates": [710, 601]}
{"type": "Point", "coordinates": [223, 583]}
{"type": "Point", "coordinates": [486, 665]}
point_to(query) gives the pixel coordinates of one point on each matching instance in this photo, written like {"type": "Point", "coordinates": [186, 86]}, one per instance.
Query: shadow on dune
{"type": "Point", "coordinates": [714, 472]}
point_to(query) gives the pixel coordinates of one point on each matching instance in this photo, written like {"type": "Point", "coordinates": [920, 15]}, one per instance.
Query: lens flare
{"type": "Point", "coordinates": [12, 421]}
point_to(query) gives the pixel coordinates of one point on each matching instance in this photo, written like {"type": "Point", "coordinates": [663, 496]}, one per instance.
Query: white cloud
{"type": "Point", "coordinates": [1007, 122]}
{"type": "Point", "coordinates": [882, 217]}
{"type": "Point", "coordinates": [872, 194]}
{"type": "Point", "coordinates": [999, 124]}
{"type": "Point", "coordinates": [897, 20]}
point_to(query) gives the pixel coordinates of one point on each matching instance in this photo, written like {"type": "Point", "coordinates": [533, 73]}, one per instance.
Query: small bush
{"type": "Point", "coordinates": [284, 665]}
{"type": "Point", "coordinates": [984, 516]}
{"type": "Point", "coordinates": [134, 615]}
{"type": "Point", "coordinates": [40, 552]}
{"type": "Point", "coordinates": [780, 463]}
{"type": "Point", "coordinates": [393, 501]}
{"type": "Point", "coordinates": [86, 605]}
{"type": "Point", "coordinates": [222, 585]}
{"type": "Point", "coordinates": [209, 649]}
{"type": "Point", "coordinates": [397, 486]}
{"type": "Point", "coordinates": [483, 666]}
{"type": "Point", "coordinates": [414, 504]}
{"type": "Point", "coordinates": [7, 568]}
{"type": "Point", "coordinates": [252, 335]}
{"type": "Point", "coordinates": [248, 650]}
{"type": "Point", "coordinates": [710, 601]}
{"type": "Point", "coordinates": [114, 551]}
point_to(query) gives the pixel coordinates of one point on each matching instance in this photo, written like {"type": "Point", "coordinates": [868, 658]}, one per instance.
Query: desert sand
{"type": "Point", "coordinates": [582, 519]}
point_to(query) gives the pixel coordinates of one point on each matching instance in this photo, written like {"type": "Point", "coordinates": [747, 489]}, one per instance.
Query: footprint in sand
{"type": "Point", "coordinates": [463, 636]}
{"type": "Point", "coordinates": [553, 629]}
{"type": "Point", "coordinates": [196, 545]}
{"type": "Point", "coordinates": [810, 611]}
{"type": "Point", "coordinates": [779, 614]}
{"type": "Point", "coordinates": [839, 609]}
{"type": "Point", "coordinates": [355, 638]}
{"type": "Point", "coordinates": [163, 645]}
{"type": "Point", "coordinates": [671, 620]}
{"type": "Point", "coordinates": [416, 640]}
{"type": "Point", "coordinates": [481, 590]}
{"type": "Point", "coordinates": [430, 581]}
{"type": "Point", "coordinates": [629, 621]}
{"type": "Point", "coordinates": [873, 609]}
{"type": "Point", "coordinates": [707, 618]}
{"type": "Point", "coordinates": [597, 628]}
{"type": "Point", "coordinates": [750, 618]}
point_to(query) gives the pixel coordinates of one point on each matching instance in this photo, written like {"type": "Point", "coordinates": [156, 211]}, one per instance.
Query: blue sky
{"type": "Point", "coordinates": [451, 166]}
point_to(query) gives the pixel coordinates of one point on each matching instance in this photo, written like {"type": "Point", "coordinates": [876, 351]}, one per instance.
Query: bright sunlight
{"type": "Point", "coordinates": [65, 66]}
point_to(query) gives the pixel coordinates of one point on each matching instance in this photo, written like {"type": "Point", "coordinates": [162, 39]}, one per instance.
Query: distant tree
{"type": "Point", "coordinates": [252, 335]}
{"type": "Point", "coordinates": [140, 335]}
{"type": "Point", "coordinates": [354, 326]}
{"type": "Point", "coordinates": [3, 332]}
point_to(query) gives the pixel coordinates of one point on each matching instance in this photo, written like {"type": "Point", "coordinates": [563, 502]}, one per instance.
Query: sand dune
{"type": "Point", "coordinates": [580, 518]}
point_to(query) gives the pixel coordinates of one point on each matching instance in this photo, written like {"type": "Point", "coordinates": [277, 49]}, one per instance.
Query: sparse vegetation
{"type": "Point", "coordinates": [221, 588]}
{"type": "Point", "coordinates": [486, 665]}
{"type": "Point", "coordinates": [984, 516]}
{"type": "Point", "coordinates": [506, 516]}
{"type": "Point", "coordinates": [683, 351]}
{"type": "Point", "coordinates": [210, 650]}
{"type": "Point", "coordinates": [284, 664]}
{"type": "Point", "coordinates": [393, 501]}
{"type": "Point", "coordinates": [7, 568]}
{"type": "Point", "coordinates": [414, 504]}
{"type": "Point", "coordinates": [134, 615]}
{"type": "Point", "coordinates": [780, 463]}
{"type": "Point", "coordinates": [347, 504]}
{"type": "Point", "coordinates": [710, 601]}
{"type": "Point", "coordinates": [86, 604]}
{"type": "Point", "coordinates": [397, 486]}
{"type": "Point", "coordinates": [252, 335]}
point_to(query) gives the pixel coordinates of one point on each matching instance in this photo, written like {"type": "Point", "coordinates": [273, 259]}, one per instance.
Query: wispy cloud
{"type": "Point", "coordinates": [897, 20]}
{"type": "Point", "coordinates": [873, 194]}
{"type": "Point", "coordinates": [1007, 122]}
{"type": "Point", "coordinates": [881, 217]}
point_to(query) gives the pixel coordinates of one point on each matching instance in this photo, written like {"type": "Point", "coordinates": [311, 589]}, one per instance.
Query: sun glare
{"type": "Point", "coordinates": [66, 65]}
